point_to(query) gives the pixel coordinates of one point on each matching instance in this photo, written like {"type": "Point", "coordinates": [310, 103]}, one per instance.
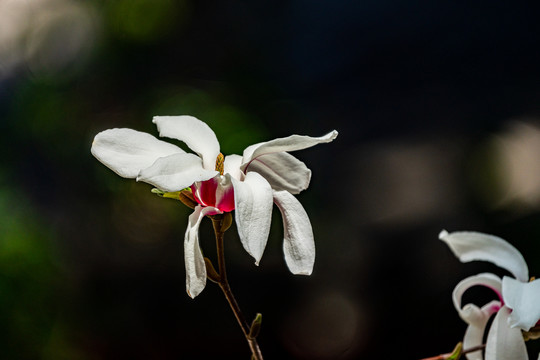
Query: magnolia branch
{"type": "Point", "coordinates": [456, 353]}
{"type": "Point", "coordinates": [221, 224]}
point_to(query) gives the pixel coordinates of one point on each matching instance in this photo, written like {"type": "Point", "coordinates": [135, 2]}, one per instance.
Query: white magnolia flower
{"type": "Point", "coordinates": [518, 306]}
{"type": "Point", "coordinates": [248, 184]}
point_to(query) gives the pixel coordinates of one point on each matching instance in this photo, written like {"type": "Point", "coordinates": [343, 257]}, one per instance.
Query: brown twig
{"type": "Point", "coordinates": [446, 356]}
{"type": "Point", "coordinates": [221, 224]}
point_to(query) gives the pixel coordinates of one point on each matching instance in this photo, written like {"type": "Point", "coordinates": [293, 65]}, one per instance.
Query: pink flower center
{"type": "Point", "coordinates": [216, 192]}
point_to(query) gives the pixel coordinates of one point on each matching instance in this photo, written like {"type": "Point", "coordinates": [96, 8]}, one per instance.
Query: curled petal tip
{"type": "Point", "coordinates": [443, 234]}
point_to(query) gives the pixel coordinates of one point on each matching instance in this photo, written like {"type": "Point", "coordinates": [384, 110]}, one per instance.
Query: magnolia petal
{"type": "Point", "coordinates": [231, 165]}
{"type": "Point", "coordinates": [474, 335]}
{"type": "Point", "coordinates": [298, 243]}
{"type": "Point", "coordinates": [524, 300]}
{"type": "Point", "coordinates": [175, 172]}
{"type": "Point", "coordinates": [290, 143]}
{"type": "Point", "coordinates": [195, 133]}
{"type": "Point", "coordinates": [253, 212]}
{"type": "Point", "coordinates": [127, 151]}
{"type": "Point", "coordinates": [225, 193]}
{"type": "Point", "coordinates": [282, 170]}
{"type": "Point", "coordinates": [470, 246]}
{"type": "Point", "coordinates": [504, 342]}
{"type": "Point", "coordinates": [194, 260]}
{"type": "Point", "coordinates": [474, 316]}
{"type": "Point", "coordinates": [469, 312]}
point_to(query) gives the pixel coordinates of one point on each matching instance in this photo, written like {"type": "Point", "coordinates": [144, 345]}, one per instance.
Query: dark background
{"type": "Point", "coordinates": [437, 105]}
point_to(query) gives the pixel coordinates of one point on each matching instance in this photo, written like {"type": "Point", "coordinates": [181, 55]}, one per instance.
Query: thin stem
{"type": "Point", "coordinates": [225, 287]}
{"type": "Point", "coordinates": [446, 356]}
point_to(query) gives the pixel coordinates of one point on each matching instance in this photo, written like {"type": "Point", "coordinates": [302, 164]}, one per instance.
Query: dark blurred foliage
{"type": "Point", "coordinates": [91, 265]}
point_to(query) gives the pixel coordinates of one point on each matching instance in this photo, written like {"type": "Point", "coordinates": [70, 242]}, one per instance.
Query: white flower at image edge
{"type": "Point", "coordinates": [249, 184]}
{"type": "Point", "coordinates": [518, 306]}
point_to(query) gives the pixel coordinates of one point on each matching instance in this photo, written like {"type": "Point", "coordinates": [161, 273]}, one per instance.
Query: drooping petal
{"type": "Point", "coordinates": [485, 279]}
{"type": "Point", "coordinates": [504, 342]}
{"type": "Point", "coordinates": [470, 246]}
{"type": "Point", "coordinates": [298, 243]}
{"type": "Point", "coordinates": [127, 151]}
{"type": "Point", "coordinates": [253, 208]}
{"type": "Point", "coordinates": [175, 172]}
{"type": "Point", "coordinates": [473, 315]}
{"type": "Point", "coordinates": [231, 165]}
{"type": "Point", "coordinates": [290, 143]}
{"type": "Point", "coordinates": [194, 260]}
{"type": "Point", "coordinates": [195, 133]}
{"type": "Point", "coordinates": [282, 170]}
{"type": "Point", "coordinates": [524, 300]}
{"type": "Point", "coordinates": [474, 335]}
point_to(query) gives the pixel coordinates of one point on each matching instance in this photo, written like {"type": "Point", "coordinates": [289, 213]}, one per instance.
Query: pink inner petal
{"type": "Point", "coordinates": [205, 192]}
{"type": "Point", "coordinates": [226, 202]}
{"type": "Point", "coordinates": [213, 193]}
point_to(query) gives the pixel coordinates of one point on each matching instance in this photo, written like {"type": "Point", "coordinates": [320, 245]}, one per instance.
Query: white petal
{"type": "Point", "coordinates": [253, 212]}
{"type": "Point", "coordinates": [469, 246]}
{"type": "Point", "coordinates": [231, 165]}
{"type": "Point", "coordinates": [283, 171]}
{"type": "Point", "coordinates": [194, 260]}
{"type": "Point", "coordinates": [474, 335]}
{"type": "Point", "coordinates": [195, 133]}
{"type": "Point", "coordinates": [290, 143]}
{"type": "Point", "coordinates": [504, 342]}
{"type": "Point", "coordinates": [127, 151]}
{"type": "Point", "coordinates": [175, 172]}
{"type": "Point", "coordinates": [298, 243]}
{"type": "Point", "coordinates": [474, 316]}
{"type": "Point", "coordinates": [469, 311]}
{"type": "Point", "coordinates": [524, 300]}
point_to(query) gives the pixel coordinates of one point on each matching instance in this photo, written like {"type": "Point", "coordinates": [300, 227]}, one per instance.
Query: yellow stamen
{"type": "Point", "coordinates": [219, 163]}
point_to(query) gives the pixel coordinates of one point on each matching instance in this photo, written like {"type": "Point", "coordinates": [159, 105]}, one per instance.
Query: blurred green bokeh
{"type": "Point", "coordinates": [31, 283]}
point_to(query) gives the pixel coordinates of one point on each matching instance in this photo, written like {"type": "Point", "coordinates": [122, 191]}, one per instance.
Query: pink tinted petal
{"type": "Point", "coordinates": [205, 191]}
{"type": "Point", "coordinates": [504, 342]}
{"type": "Point", "coordinates": [524, 300]}
{"type": "Point", "coordinates": [195, 133]}
{"type": "Point", "coordinates": [217, 192]}
{"type": "Point", "coordinates": [225, 194]}
{"type": "Point", "coordinates": [470, 246]}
